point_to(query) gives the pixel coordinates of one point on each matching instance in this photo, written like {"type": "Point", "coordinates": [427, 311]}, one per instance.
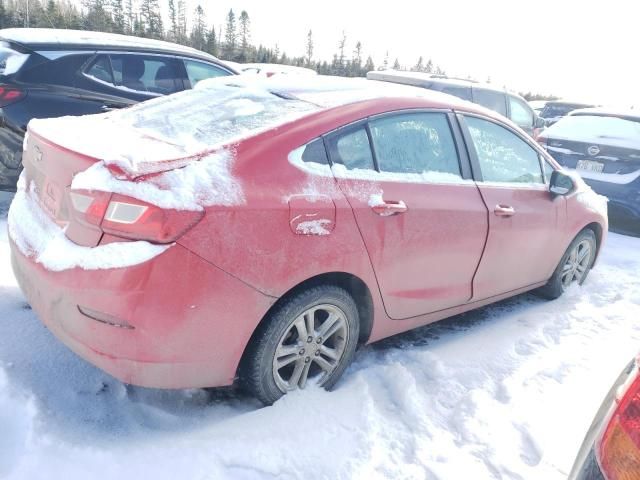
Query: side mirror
{"type": "Point", "coordinates": [561, 183]}
{"type": "Point", "coordinates": [540, 122]}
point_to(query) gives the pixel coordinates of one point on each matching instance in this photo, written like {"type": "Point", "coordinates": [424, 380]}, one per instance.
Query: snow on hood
{"type": "Point", "coordinates": [596, 129]}
{"type": "Point", "coordinates": [38, 237]}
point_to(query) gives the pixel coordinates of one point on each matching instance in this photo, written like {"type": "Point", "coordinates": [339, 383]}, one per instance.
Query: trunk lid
{"type": "Point", "coordinates": [48, 172]}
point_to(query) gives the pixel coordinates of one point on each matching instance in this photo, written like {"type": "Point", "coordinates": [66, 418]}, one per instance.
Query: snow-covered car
{"type": "Point", "coordinates": [262, 230]}
{"type": "Point", "coordinates": [270, 69]}
{"type": "Point", "coordinates": [603, 146]}
{"type": "Point", "coordinates": [554, 110]}
{"type": "Point", "coordinates": [611, 448]}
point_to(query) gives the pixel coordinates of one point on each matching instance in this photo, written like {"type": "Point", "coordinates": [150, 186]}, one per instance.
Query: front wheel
{"type": "Point", "coordinates": [310, 338]}
{"type": "Point", "coordinates": [574, 265]}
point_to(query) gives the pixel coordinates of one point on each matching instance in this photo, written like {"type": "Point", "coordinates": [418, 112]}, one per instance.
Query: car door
{"type": "Point", "coordinates": [525, 220]}
{"type": "Point", "coordinates": [420, 215]}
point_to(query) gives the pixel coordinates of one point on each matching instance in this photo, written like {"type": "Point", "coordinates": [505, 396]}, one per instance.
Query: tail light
{"type": "Point", "coordinates": [619, 448]}
{"type": "Point", "coordinates": [9, 95]}
{"type": "Point", "coordinates": [131, 218]}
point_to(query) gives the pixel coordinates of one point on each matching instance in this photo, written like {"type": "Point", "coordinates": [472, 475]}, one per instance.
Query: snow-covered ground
{"type": "Point", "coordinates": [506, 392]}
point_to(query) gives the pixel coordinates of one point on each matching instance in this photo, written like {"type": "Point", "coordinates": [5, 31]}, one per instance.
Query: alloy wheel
{"type": "Point", "coordinates": [577, 264]}
{"type": "Point", "coordinates": [311, 348]}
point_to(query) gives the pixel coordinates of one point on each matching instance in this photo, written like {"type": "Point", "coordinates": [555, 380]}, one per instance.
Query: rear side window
{"type": "Point", "coordinates": [10, 60]}
{"type": "Point", "coordinates": [59, 71]}
{"type": "Point", "coordinates": [503, 156]}
{"type": "Point", "coordinates": [197, 71]}
{"type": "Point", "coordinates": [145, 74]}
{"type": "Point", "coordinates": [101, 70]}
{"type": "Point", "coordinates": [415, 143]}
{"type": "Point", "coordinates": [521, 113]}
{"type": "Point", "coordinates": [352, 149]}
{"type": "Point", "coordinates": [315, 152]}
{"type": "Point", "coordinates": [495, 101]}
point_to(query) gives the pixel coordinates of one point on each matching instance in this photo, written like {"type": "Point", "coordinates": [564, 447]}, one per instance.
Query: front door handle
{"type": "Point", "coordinates": [388, 207]}
{"type": "Point", "coordinates": [504, 211]}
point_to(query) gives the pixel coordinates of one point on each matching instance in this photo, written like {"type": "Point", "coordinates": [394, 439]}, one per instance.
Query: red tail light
{"type": "Point", "coordinates": [10, 95]}
{"type": "Point", "coordinates": [130, 218]}
{"type": "Point", "coordinates": [619, 449]}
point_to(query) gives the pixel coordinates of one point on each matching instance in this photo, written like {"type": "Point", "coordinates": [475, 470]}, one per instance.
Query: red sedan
{"type": "Point", "coordinates": [261, 231]}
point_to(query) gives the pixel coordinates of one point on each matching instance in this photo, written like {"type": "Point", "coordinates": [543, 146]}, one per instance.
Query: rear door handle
{"type": "Point", "coordinates": [388, 207]}
{"type": "Point", "coordinates": [504, 211]}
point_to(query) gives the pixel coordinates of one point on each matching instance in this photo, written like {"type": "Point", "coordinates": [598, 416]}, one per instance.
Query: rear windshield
{"type": "Point", "coordinates": [10, 60]}
{"type": "Point", "coordinates": [550, 111]}
{"type": "Point", "coordinates": [597, 130]}
{"type": "Point", "coordinates": [213, 113]}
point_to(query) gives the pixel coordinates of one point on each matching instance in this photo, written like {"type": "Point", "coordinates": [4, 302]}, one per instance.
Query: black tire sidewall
{"type": "Point", "coordinates": [258, 376]}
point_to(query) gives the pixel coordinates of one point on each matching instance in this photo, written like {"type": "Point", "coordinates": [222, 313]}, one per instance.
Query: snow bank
{"type": "Point", "coordinates": [37, 236]}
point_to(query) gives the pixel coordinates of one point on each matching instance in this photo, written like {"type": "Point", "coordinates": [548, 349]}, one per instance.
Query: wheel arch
{"type": "Point", "coordinates": [354, 285]}
{"type": "Point", "coordinates": [597, 229]}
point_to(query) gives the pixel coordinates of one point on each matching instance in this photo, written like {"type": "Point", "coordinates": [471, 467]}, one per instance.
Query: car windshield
{"type": "Point", "coordinates": [557, 110]}
{"type": "Point", "coordinates": [597, 129]}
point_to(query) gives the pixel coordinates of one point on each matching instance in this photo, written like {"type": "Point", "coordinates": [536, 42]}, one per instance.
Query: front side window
{"type": "Point", "coordinates": [503, 156]}
{"type": "Point", "coordinates": [492, 100]}
{"type": "Point", "coordinates": [521, 113]}
{"type": "Point", "coordinates": [145, 74]}
{"type": "Point", "coordinates": [415, 143]}
{"type": "Point", "coordinates": [198, 71]}
{"type": "Point", "coordinates": [352, 149]}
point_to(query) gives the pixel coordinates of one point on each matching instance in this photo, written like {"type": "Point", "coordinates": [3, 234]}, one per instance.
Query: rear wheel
{"type": "Point", "coordinates": [309, 339]}
{"type": "Point", "coordinates": [574, 265]}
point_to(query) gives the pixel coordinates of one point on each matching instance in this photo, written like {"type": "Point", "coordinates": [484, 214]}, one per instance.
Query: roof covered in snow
{"type": "Point", "coordinates": [53, 37]}
{"type": "Point", "coordinates": [628, 114]}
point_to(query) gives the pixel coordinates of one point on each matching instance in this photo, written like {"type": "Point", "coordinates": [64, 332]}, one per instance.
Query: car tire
{"type": "Point", "coordinates": [572, 266]}
{"type": "Point", "coordinates": [310, 337]}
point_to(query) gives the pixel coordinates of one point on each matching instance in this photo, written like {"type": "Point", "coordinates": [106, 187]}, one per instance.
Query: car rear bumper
{"type": "Point", "coordinates": [187, 322]}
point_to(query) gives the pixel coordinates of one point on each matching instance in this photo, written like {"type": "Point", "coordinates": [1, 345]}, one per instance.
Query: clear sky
{"type": "Point", "coordinates": [577, 49]}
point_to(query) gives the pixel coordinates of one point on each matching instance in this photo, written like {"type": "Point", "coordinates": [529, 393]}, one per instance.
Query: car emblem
{"type": "Point", "coordinates": [38, 155]}
{"type": "Point", "coordinates": [593, 150]}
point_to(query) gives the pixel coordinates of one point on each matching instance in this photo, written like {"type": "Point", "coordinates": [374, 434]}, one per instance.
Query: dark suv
{"type": "Point", "coordinates": [508, 104]}
{"type": "Point", "coordinates": [51, 73]}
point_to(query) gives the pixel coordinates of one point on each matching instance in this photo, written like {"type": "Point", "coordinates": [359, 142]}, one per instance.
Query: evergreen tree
{"type": "Point", "coordinates": [369, 66]}
{"type": "Point", "coordinates": [212, 42]}
{"type": "Point", "coordinates": [419, 67]}
{"type": "Point", "coordinates": [129, 17]}
{"type": "Point", "coordinates": [150, 15]}
{"type": "Point", "coordinates": [172, 34]}
{"type": "Point", "coordinates": [429, 67]}
{"type": "Point", "coordinates": [118, 16]}
{"type": "Point", "coordinates": [181, 34]}
{"type": "Point", "coordinates": [341, 58]}
{"type": "Point", "coordinates": [230, 36]}
{"type": "Point", "coordinates": [245, 35]}
{"type": "Point", "coordinates": [396, 65]}
{"type": "Point", "coordinates": [198, 31]}
{"type": "Point", "coordinates": [356, 62]}
{"type": "Point", "coordinates": [385, 63]}
{"type": "Point", "coordinates": [309, 48]}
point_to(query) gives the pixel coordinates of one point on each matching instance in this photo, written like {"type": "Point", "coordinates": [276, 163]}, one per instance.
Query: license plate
{"type": "Point", "coordinates": [590, 166]}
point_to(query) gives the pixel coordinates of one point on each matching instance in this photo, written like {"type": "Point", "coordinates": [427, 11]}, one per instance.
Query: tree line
{"type": "Point", "coordinates": [232, 41]}
{"type": "Point", "coordinates": [142, 18]}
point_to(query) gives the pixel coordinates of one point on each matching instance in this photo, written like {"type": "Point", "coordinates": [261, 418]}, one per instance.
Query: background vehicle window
{"type": "Point", "coordinates": [503, 156]}
{"type": "Point", "coordinates": [455, 90]}
{"type": "Point", "coordinates": [521, 114]}
{"type": "Point", "coordinates": [415, 143]}
{"type": "Point", "coordinates": [197, 71]}
{"type": "Point", "coordinates": [352, 150]}
{"type": "Point", "coordinates": [145, 74]}
{"type": "Point", "coordinates": [101, 70]}
{"type": "Point", "coordinates": [495, 101]}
